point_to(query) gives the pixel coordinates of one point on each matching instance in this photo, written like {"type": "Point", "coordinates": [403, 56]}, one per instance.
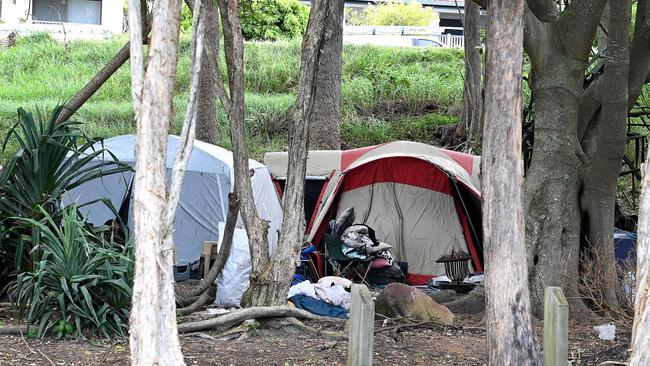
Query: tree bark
{"type": "Point", "coordinates": [206, 122]}
{"type": "Point", "coordinates": [325, 117]}
{"type": "Point", "coordinates": [606, 144]}
{"type": "Point", "coordinates": [470, 126]}
{"type": "Point", "coordinates": [510, 333]}
{"type": "Point", "coordinates": [269, 286]}
{"type": "Point", "coordinates": [153, 332]}
{"type": "Point", "coordinates": [641, 329]}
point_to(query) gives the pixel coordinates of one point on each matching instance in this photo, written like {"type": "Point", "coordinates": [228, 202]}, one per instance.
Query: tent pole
{"type": "Point", "coordinates": [471, 225]}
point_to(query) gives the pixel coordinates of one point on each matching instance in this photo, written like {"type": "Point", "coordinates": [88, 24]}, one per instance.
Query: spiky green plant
{"type": "Point", "coordinates": [81, 285]}
{"type": "Point", "coordinates": [52, 159]}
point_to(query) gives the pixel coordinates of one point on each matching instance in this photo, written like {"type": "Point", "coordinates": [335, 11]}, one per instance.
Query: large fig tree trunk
{"type": "Point", "coordinates": [567, 190]}
{"type": "Point", "coordinates": [510, 333]}
{"type": "Point", "coordinates": [325, 118]}
{"type": "Point", "coordinates": [558, 46]}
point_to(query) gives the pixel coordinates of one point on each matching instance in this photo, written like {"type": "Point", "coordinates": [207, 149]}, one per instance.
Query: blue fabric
{"type": "Point", "coordinates": [318, 307]}
{"type": "Point", "coordinates": [305, 251]}
{"type": "Point", "coordinates": [624, 245]}
{"type": "Point", "coordinates": [297, 278]}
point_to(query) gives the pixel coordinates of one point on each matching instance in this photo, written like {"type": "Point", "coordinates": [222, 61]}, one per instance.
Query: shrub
{"type": "Point", "coordinates": [398, 13]}
{"type": "Point", "coordinates": [81, 285]}
{"type": "Point", "coordinates": [271, 20]}
{"type": "Point", "coordinates": [52, 159]}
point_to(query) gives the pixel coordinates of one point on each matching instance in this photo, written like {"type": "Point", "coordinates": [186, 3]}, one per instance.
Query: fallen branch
{"type": "Point", "coordinates": [47, 358]}
{"type": "Point", "coordinates": [228, 320]}
{"type": "Point", "coordinates": [19, 330]}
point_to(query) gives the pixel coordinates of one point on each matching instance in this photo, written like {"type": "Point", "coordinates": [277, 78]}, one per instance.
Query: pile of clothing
{"type": "Point", "coordinates": [359, 242]}
{"type": "Point", "coordinates": [328, 297]}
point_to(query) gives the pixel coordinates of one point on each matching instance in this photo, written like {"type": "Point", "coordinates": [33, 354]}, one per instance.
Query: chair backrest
{"type": "Point", "coordinates": [333, 245]}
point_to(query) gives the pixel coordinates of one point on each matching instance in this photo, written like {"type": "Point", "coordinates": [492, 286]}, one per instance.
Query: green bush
{"type": "Point", "coordinates": [397, 13]}
{"type": "Point", "coordinates": [82, 283]}
{"type": "Point", "coordinates": [52, 159]}
{"type": "Point", "coordinates": [186, 19]}
{"type": "Point", "coordinates": [271, 20]}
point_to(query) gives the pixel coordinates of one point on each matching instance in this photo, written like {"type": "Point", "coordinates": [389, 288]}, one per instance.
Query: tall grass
{"type": "Point", "coordinates": [387, 85]}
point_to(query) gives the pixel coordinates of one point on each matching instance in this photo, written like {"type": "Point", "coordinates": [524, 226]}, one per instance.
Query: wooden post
{"type": "Point", "coordinates": [362, 317]}
{"type": "Point", "coordinates": [556, 327]}
{"type": "Point", "coordinates": [209, 250]}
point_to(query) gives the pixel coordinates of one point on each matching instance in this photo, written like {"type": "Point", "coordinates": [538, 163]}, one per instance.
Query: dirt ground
{"type": "Point", "coordinates": [429, 344]}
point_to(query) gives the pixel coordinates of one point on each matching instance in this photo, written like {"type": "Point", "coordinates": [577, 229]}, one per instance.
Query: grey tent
{"type": "Point", "coordinates": [204, 195]}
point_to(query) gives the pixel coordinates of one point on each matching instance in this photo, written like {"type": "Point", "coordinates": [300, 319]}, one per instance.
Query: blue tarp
{"type": "Point", "coordinates": [624, 245]}
{"type": "Point", "coordinates": [318, 307]}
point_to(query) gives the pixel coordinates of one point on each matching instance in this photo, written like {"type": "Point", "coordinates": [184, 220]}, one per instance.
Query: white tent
{"type": "Point", "coordinates": [203, 201]}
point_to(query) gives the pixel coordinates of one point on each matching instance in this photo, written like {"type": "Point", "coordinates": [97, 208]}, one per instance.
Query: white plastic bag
{"type": "Point", "coordinates": [606, 331]}
{"type": "Point", "coordinates": [234, 278]}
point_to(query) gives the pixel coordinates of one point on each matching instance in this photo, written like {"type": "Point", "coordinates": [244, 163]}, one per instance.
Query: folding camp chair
{"type": "Point", "coordinates": [352, 269]}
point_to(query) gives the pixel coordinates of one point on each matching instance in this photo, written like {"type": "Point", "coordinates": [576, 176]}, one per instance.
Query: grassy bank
{"type": "Point", "coordinates": [388, 93]}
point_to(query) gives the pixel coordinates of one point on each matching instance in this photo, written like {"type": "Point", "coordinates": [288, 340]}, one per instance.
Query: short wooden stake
{"type": "Point", "coordinates": [556, 327]}
{"type": "Point", "coordinates": [362, 324]}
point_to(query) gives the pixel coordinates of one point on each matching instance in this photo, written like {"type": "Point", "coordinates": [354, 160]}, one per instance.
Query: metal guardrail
{"type": "Point", "coordinates": [431, 33]}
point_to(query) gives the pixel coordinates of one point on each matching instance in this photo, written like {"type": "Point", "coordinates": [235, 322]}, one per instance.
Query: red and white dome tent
{"type": "Point", "coordinates": [421, 199]}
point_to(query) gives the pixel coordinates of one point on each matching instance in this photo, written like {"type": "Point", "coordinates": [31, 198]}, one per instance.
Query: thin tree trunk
{"type": "Point", "coordinates": [95, 83]}
{"type": "Point", "coordinates": [233, 102]}
{"type": "Point", "coordinates": [325, 117]}
{"type": "Point", "coordinates": [641, 329]}
{"type": "Point", "coordinates": [153, 332]}
{"type": "Point", "coordinates": [82, 96]}
{"type": "Point", "coordinates": [269, 286]}
{"type": "Point", "coordinates": [206, 122]}
{"type": "Point", "coordinates": [510, 334]}
{"type": "Point", "coordinates": [470, 126]}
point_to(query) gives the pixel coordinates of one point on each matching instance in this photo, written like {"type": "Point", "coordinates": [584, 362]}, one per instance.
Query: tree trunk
{"type": "Point", "coordinates": [552, 188]}
{"type": "Point", "coordinates": [605, 144]}
{"type": "Point", "coordinates": [104, 74]}
{"type": "Point", "coordinates": [269, 286]}
{"type": "Point", "coordinates": [233, 102]}
{"type": "Point", "coordinates": [558, 49]}
{"type": "Point", "coordinates": [206, 122]}
{"type": "Point", "coordinates": [510, 334]}
{"type": "Point", "coordinates": [153, 332]}
{"type": "Point", "coordinates": [94, 84]}
{"type": "Point", "coordinates": [641, 329]}
{"type": "Point", "coordinates": [470, 126]}
{"type": "Point", "coordinates": [325, 117]}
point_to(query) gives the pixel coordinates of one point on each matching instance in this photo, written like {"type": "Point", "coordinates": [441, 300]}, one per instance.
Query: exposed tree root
{"type": "Point", "coordinates": [226, 321]}
{"type": "Point", "coordinates": [207, 297]}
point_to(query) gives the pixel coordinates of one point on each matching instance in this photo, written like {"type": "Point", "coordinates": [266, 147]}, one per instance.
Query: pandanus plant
{"type": "Point", "coordinates": [52, 158]}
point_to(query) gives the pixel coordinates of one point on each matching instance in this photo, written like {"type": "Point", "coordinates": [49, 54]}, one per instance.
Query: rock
{"type": "Point", "coordinates": [472, 303]}
{"type": "Point", "coordinates": [399, 299]}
